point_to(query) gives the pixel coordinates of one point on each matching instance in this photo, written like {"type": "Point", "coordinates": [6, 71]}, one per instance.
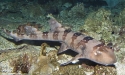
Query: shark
{"type": "Point", "coordinates": [86, 46]}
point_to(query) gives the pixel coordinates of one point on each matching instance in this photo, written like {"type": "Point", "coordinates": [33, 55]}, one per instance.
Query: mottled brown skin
{"type": "Point", "coordinates": [102, 54]}
{"type": "Point", "coordinates": [86, 46]}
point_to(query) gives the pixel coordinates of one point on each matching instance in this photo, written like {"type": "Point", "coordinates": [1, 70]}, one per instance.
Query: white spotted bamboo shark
{"type": "Point", "coordinates": [86, 46]}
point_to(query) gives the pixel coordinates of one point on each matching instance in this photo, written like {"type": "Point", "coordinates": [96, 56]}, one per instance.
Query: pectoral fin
{"type": "Point", "coordinates": [73, 60]}
{"type": "Point", "coordinates": [63, 47]}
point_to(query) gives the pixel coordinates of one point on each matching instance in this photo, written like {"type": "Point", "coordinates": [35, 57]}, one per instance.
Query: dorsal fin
{"type": "Point", "coordinates": [54, 24]}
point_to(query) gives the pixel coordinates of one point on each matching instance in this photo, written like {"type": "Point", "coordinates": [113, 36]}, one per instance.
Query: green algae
{"type": "Point", "coordinates": [98, 22]}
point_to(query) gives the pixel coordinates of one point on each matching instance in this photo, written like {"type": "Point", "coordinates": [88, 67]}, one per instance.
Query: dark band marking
{"type": "Point", "coordinates": [65, 33]}
{"type": "Point", "coordinates": [14, 31]}
{"type": "Point", "coordinates": [87, 38]}
{"type": "Point", "coordinates": [81, 43]}
{"type": "Point", "coordinates": [7, 31]}
{"type": "Point", "coordinates": [75, 35]}
{"type": "Point", "coordinates": [33, 36]}
{"type": "Point", "coordinates": [55, 35]}
{"type": "Point", "coordinates": [37, 26]}
{"type": "Point", "coordinates": [101, 47]}
{"type": "Point", "coordinates": [98, 46]}
{"type": "Point", "coordinates": [45, 35]}
{"type": "Point", "coordinates": [21, 29]}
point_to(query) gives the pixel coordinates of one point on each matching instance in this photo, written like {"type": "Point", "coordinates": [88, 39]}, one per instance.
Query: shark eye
{"type": "Point", "coordinates": [110, 45]}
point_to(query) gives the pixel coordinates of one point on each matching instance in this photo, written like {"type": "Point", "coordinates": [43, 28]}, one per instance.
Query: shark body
{"type": "Point", "coordinates": [86, 46]}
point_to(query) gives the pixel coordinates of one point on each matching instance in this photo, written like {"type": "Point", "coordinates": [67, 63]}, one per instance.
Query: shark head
{"type": "Point", "coordinates": [103, 55]}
